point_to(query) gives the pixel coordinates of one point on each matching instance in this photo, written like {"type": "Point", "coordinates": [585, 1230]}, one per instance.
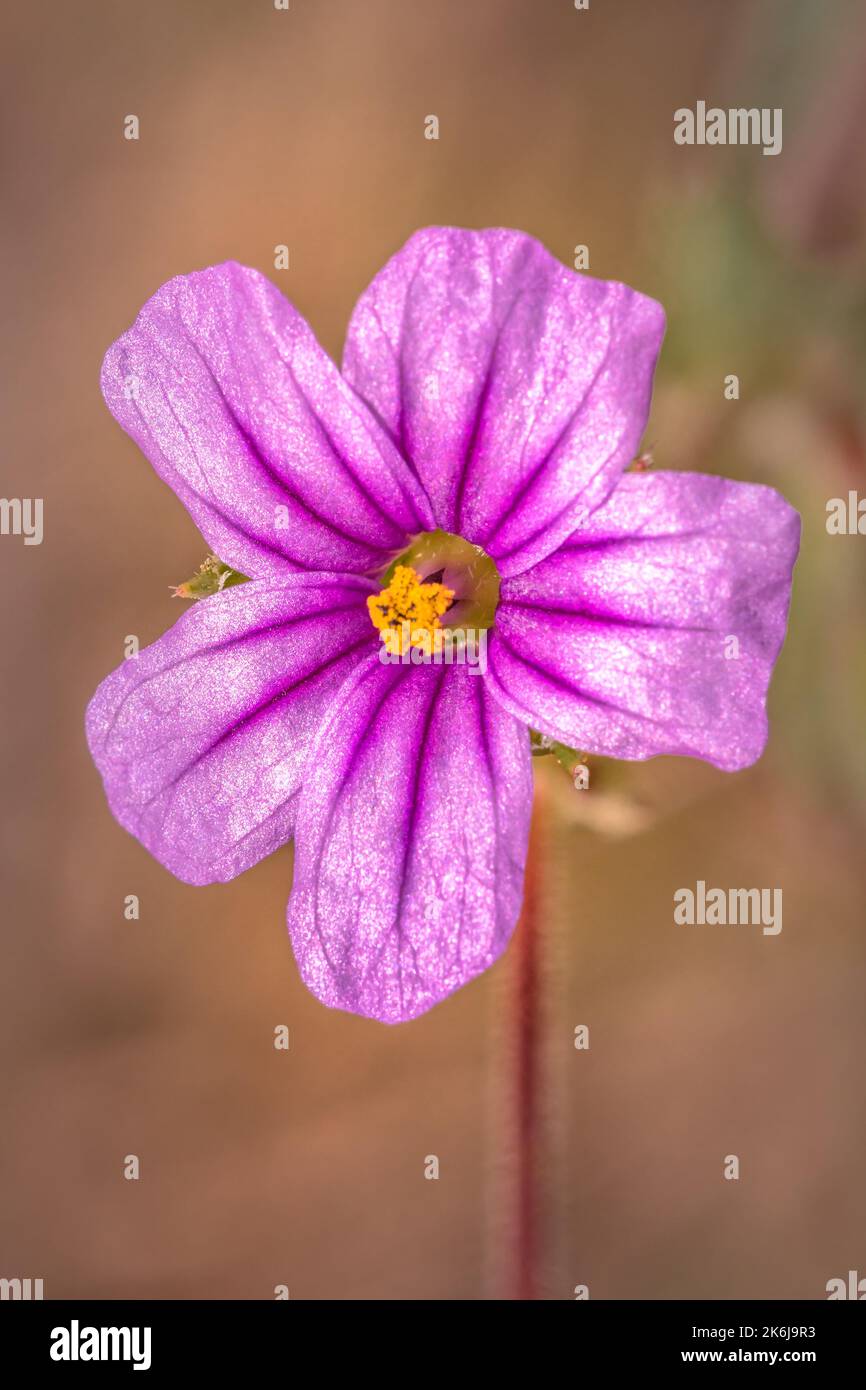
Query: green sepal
{"type": "Point", "coordinates": [210, 578]}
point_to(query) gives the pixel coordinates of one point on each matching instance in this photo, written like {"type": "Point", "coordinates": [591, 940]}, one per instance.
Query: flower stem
{"type": "Point", "coordinates": [526, 1083]}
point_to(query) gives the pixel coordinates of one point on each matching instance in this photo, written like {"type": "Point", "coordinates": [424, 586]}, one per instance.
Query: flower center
{"type": "Point", "coordinates": [408, 601]}
{"type": "Point", "coordinates": [440, 585]}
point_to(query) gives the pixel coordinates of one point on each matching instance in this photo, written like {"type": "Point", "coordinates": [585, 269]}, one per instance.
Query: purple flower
{"type": "Point", "coordinates": [490, 403]}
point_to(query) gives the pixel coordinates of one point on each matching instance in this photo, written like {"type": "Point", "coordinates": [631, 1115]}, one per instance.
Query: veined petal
{"type": "Point", "coordinates": [222, 384]}
{"type": "Point", "coordinates": [411, 840]}
{"type": "Point", "coordinates": [655, 628]}
{"type": "Point", "coordinates": [202, 738]}
{"type": "Point", "coordinates": [516, 388]}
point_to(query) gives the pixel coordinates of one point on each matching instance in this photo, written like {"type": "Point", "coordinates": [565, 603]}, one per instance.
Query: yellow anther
{"type": "Point", "coordinates": [408, 600]}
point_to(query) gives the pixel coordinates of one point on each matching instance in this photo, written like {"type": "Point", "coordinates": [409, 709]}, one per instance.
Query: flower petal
{"type": "Point", "coordinates": [202, 738]}
{"type": "Point", "coordinates": [222, 384]}
{"type": "Point", "coordinates": [517, 389]}
{"type": "Point", "coordinates": [411, 840]}
{"type": "Point", "coordinates": [621, 643]}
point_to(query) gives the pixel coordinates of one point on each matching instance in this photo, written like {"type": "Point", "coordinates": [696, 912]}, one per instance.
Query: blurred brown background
{"type": "Point", "coordinates": [155, 1037]}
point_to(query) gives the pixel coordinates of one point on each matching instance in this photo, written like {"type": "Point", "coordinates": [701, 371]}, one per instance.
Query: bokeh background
{"type": "Point", "coordinates": [155, 1037]}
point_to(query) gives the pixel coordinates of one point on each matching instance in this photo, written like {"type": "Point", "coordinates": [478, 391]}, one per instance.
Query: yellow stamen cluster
{"type": "Point", "coordinates": [408, 601]}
